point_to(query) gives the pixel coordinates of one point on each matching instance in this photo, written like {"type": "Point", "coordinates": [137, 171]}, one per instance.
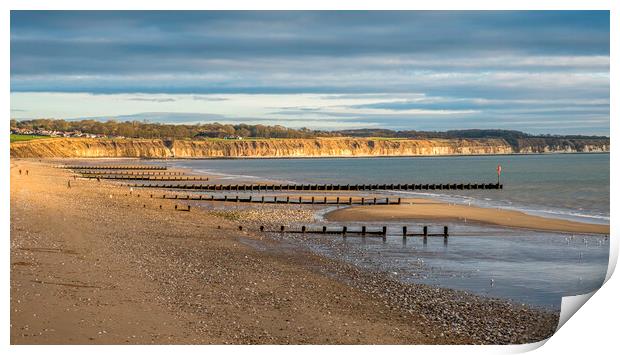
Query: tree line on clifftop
{"type": "Point", "coordinates": [136, 129]}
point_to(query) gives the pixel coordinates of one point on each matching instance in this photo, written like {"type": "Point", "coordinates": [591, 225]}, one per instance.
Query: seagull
{"type": "Point", "coordinates": [492, 282]}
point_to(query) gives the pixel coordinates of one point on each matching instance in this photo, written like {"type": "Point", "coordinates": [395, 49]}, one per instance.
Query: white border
{"type": "Point", "coordinates": [593, 329]}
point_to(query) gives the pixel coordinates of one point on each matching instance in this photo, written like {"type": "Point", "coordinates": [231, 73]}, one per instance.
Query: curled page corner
{"type": "Point", "coordinates": [523, 348]}
{"type": "Point", "coordinates": [613, 257]}
{"type": "Point", "coordinates": [570, 306]}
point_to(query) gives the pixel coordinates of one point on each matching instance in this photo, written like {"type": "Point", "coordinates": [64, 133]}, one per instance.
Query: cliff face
{"type": "Point", "coordinates": [279, 148]}
{"type": "Point", "coordinates": [548, 145]}
{"type": "Point", "coordinates": [339, 147]}
{"type": "Point", "coordinates": [90, 148]}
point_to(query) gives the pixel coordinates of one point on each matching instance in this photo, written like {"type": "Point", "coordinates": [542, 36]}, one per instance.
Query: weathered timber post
{"type": "Point", "coordinates": [363, 231]}
{"type": "Point", "coordinates": [313, 200]}
{"type": "Point", "coordinates": [176, 207]}
{"type": "Point", "coordinates": [399, 200]}
{"type": "Point", "coordinates": [425, 231]}
{"type": "Point", "coordinates": [324, 229]}
{"type": "Point", "coordinates": [262, 228]}
{"type": "Point", "coordinates": [189, 208]}
{"type": "Point", "coordinates": [404, 232]}
{"type": "Point", "coordinates": [374, 200]}
{"type": "Point", "coordinates": [282, 229]}
{"type": "Point", "coordinates": [262, 199]}
{"type": "Point", "coordinates": [445, 232]}
{"type": "Point", "coordinates": [303, 229]}
{"type": "Point", "coordinates": [350, 200]}
{"type": "Point", "coordinates": [240, 228]}
{"type": "Point", "coordinates": [337, 200]}
{"type": "Point", "coordinates": [288, 199]}
{"type": "Point", "coordinates": [384, 233]}
{"type": "Point", "coordinates": [362, 201]}
{"type": "Point", "coordinates": [344, 231]}
{"type": "Point", "coordinates": [325, 200]}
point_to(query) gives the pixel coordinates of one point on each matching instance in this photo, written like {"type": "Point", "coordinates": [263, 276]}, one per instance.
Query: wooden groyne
{"type": "Point", "coordinates": [288, 200]}
{"type": "Point", "coordinates": [324, 187]}
{"type": "Point", "coordinates": [146, 177]}
{"type": "Point", "coordinates": [362, 231]}
{"type": "Point", "coordinates": [125, 172]}
{"type": "Point", "coordinates": [114, 167]}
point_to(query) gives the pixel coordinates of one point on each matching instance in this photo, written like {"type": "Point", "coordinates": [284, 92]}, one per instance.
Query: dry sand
{"type": "Point", "coordinates": [92, 265]}
{"type": "Point", "coordinates": [425, 209]}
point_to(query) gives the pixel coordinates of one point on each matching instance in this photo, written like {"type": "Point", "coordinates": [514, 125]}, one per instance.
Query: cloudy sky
{"type": "Point", "coordinates": [539, 72]}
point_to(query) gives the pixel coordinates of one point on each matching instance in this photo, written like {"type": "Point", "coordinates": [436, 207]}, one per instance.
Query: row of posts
{"type": "Point", "coordinates": [468, 186]}
{"type": "Point", "coordinates": [226, 198]}
{"type": "Point", "coordinates": [363, 231]}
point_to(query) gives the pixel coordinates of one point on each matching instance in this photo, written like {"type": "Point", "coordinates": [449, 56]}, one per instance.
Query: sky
{"type": "Point", "coordinates": [542, 72]}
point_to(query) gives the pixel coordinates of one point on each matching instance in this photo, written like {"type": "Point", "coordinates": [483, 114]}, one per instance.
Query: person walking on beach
{"type": "Point", "coordinates": [20, 171]}
{"type": "Point", "coordinates": [69, 184]}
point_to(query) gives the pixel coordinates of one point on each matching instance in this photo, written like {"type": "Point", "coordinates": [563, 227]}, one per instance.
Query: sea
{"type": "Point", "coordinates": [530, 267]}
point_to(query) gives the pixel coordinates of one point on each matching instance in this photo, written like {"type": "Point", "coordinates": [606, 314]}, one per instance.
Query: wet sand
{"type": "Point", "coordinates": [93, 264]}
{"type": "Point", "coordinates": [430, 210]}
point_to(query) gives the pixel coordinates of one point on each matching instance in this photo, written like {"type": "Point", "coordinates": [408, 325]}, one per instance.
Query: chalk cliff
{"type": "Point", "coordinates": [280, 148]}
{"type": "Point", "coordinates": [90, 148]}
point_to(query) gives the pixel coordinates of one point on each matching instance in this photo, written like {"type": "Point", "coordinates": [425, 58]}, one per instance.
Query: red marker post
{"type": "Point", "coordinates": [499, 172]}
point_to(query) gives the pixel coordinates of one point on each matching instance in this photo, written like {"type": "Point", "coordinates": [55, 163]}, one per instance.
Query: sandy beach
{"type": "Point", "coordinates": [93, 264]}
{"type": "Point", "coordinates": [426, 209]}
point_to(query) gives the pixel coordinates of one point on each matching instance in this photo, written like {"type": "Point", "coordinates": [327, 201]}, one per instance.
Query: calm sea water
{"type": "Point", "coordinates": [570, 186]}
{"type": "Point", "coordinates": [526, 266]}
